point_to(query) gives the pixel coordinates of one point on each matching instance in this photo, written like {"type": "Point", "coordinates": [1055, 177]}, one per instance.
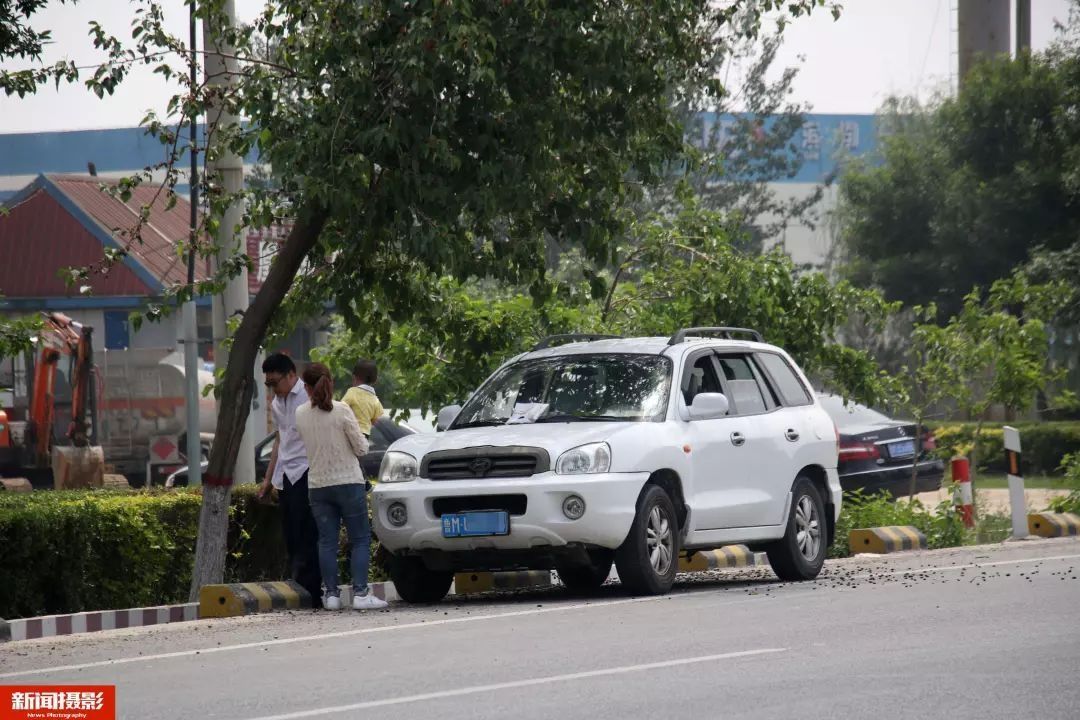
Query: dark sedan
{"type": "Point", "coordinates": [383, 433]}
{"type": "Point", "coordinates": [878, 453]}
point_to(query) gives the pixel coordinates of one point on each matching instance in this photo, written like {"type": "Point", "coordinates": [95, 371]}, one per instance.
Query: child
{"type": "Point", "coordinates": [361, 398]}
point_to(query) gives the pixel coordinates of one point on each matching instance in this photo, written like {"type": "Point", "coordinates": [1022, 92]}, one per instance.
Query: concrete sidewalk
{"type": "Point", "coordinates": [994, 500]}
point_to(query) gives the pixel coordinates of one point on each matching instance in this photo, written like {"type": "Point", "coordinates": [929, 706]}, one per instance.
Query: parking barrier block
{"type": "Point", "coordinates": [5, 631]}
{"type": "Point", "coordinates": [729, 556]}
{"type": "Point", "coordinates": [1051, 525]}
{"type": "Point", "coordinates": [248, 598]}
{"type": "Point", "coordinates": [886, 539]}
{"type": "Point", "coordinates": [466, 583]}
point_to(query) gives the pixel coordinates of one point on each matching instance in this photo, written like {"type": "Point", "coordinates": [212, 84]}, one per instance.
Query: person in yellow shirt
{"type": "Point", "coordinates": [361, 397]}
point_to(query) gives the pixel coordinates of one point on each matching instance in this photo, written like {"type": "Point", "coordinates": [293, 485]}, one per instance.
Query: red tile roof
{"type": "Point", "coordinates": [160, 234]}
{"type": "Point", "coordinates": [64, 221]}
{"type": "Point", "coordinates": [37, 238]}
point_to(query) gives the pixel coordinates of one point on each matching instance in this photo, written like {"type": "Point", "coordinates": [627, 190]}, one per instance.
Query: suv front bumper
{"type": "Point", "coordinates": [610, 505]}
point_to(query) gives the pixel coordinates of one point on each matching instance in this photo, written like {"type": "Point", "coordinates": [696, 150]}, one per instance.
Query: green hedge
{"type": "Point", "coordinates": [1045, 445]}
{"type": "Point", "coordinates": [73, 551]}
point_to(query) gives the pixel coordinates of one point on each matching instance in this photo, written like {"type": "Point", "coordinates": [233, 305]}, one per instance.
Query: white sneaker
{"type": "Point", "coordinates": [367, 601]}
{"type": "Point", "coordinates": [331, 602]}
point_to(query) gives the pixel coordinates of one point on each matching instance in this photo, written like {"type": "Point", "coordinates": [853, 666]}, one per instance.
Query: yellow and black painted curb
{"type": "Point", "coordinates": [470, 583]}
{"type": "Point", "coordinates": [889, 539]}
{"type": "Point", "coordinates": [729, 556]}
{"type": "Point", "coordinates": [248, 598]}
{"type": "Point", "coordinates": [1052, 525]}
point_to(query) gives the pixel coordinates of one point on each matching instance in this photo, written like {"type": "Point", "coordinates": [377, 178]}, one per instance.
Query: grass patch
{"type": "Point", "coordinates": [1031, 482]}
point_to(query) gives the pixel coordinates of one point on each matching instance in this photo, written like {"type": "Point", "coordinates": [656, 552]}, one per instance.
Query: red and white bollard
{"type": "Point", "coordinates": [962, 497]}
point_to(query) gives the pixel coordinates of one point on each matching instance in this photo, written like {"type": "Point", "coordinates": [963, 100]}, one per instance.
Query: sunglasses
{"type": "Point", "coordinates": [272, 383]}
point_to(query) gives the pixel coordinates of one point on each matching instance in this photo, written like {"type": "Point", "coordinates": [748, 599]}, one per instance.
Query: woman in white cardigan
{"type": "Point", "coordinates": [336, 486]}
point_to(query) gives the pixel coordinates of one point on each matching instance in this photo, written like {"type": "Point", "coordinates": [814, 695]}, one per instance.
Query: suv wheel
{"type": "Point", "coordinates": [649, 557]}
{"type": "Point", "coordinates": [585, 578]}
{"type": "Point", "coordinates": [415, 583]}
{"type": "Point", "coordinates": [800, 554]}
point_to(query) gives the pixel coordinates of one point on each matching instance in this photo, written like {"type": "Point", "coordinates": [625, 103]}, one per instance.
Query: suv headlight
{"type": "Point", "coordinates": [591, 458]}
{"type": "Point", "coordinates": [397, 467]}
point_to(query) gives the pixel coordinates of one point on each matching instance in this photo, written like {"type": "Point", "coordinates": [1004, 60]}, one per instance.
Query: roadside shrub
{"type": "Point", "coordinates": [72, 551]}
{"type": "Point", "coordinates": [990, 528]}
{"type": "Point", "coordinates": [1045, 444]}
{"type": "Point", "coordinates": [1069, 503]}
{"type": "Point", "coordinates": [942, 527]}
{"type": "Point", "coordinates": [1066, 503]}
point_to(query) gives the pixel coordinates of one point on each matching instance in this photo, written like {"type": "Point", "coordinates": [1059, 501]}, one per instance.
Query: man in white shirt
{"type": "Point", "coordinates": [288, 473]}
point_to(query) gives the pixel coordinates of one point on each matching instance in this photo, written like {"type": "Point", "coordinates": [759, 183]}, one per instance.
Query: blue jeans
{"type": "Point", "coordinates": [330, 505]}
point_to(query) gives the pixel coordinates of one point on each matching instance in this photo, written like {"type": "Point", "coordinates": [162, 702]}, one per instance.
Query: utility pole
{"type": "Point", "coordinates": [227, 168]}
{"type": "Point", "coordinates": [190, 324]}
{"type": "Point", "coordinates": [1023, 26]}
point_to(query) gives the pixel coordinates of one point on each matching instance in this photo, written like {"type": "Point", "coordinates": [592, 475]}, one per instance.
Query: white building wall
{"type": "Point", "coordinates": [807, 244]}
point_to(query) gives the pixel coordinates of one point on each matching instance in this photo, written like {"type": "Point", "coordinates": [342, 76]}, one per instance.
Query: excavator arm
{"type": "Point", "coordinates": [62, 337]}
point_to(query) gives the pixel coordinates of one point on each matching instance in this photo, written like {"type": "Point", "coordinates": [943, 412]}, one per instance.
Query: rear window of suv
{"type": "Point", "coordinates": [784, 379]}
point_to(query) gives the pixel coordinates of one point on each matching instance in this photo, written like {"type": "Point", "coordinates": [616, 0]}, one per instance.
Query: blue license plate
{"type": "Point", "coordinates": [901, 449]}
{"type": "Point", "coordinates": [476, 524]}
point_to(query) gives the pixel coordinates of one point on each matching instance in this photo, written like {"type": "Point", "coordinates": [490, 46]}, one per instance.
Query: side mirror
{"type": "Point", "coordinates": [446, 416]}
{"type": "Point", "coordinates": [707, 406]}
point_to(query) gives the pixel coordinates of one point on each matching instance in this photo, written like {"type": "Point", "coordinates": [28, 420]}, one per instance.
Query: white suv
{"type": "Point", "coordinates": [616, 450]}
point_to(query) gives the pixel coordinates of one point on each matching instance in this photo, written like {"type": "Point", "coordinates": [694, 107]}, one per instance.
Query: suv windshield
{"type": "Point", "coordinates": [573, 388]}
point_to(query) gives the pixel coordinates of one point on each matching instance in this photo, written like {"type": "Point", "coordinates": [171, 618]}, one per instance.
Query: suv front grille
{"type": "Point", "coordinates": [484, 462]}
{"type": "Point", "coordinates": [513, 504]}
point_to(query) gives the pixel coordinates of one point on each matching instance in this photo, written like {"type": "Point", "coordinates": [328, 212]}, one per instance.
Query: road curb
{"type": "Point", "coordinates": [95, 621]}
{"type": "Point", "coordinates": [889, 539]}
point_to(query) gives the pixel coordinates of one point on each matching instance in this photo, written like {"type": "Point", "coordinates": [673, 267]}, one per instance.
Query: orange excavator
{"type": "Point", "coordinates": [32, 451]}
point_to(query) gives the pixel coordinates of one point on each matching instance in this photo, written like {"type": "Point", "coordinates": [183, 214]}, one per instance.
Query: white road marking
{"type": "Point", "coordinates": [532, 682]}
{"type": "Point", "coordinates": [381, 629]}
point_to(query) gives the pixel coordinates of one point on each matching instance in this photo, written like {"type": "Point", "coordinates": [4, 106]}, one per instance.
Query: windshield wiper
{"type": "Point", "coordinates": [566, 417]}
{"type": "Point", "coordinates": [480, 423]}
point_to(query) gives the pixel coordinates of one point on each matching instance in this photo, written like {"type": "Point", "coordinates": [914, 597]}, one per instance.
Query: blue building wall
{"type": "Point", "coordinates": [821, 141]}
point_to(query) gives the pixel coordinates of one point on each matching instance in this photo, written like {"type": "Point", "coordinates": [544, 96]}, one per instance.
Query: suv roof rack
{"type": "Point", "coordinates": [723, 332]}
{"type": "Point", "coordinates": [552, 340]}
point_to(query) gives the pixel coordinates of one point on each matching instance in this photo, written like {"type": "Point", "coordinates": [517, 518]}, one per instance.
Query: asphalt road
{"type": "Point", "coordinates": [982, 633]}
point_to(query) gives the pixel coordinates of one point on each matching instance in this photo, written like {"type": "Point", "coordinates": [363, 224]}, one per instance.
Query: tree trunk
{"type": "Point", "coordinates": [975, 465]}
{"type": "Point", "coordinates": [918, 454]}
{"type": "Point", "coordinates": [234, 398]}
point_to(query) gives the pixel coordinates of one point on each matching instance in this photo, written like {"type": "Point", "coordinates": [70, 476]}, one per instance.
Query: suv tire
{"type": "Point", "coordinates": [800, 554]}
{"type": "Point", "coordinates": [586, 578]}
{"type": "Point", "coordinates": [415, 583]}
{"type": "Point", "coordinates": [653, 534]}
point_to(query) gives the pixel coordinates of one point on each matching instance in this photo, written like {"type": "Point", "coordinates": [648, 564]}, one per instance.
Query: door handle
{"type": "Point", "coordinates": [792, 434]}
{"type": "Point", "coordinates": [737, 439]}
